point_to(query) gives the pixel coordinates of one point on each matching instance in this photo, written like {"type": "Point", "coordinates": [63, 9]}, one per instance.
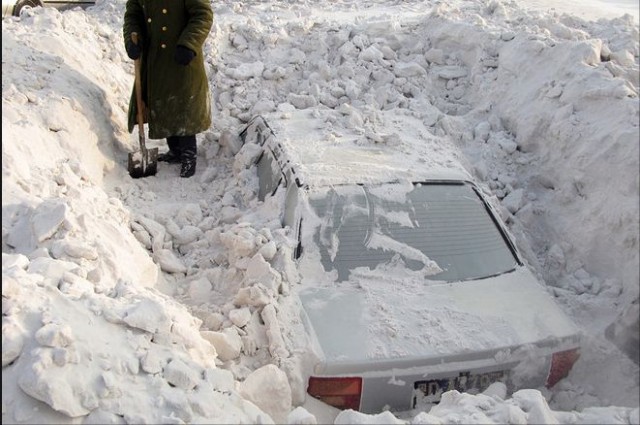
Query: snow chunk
{"type": "Point", "coordinates": [268, 388]}
{"type": "Point", "coordinates": [230, 142]}
{"type": "Point", "coordinates": [301, 416]}
{"type": "Point", "coordinates": [189, 214]}
{"type": "Point", "coordinates": [50, 268]}
{"type": "Point", "coordinates": [178, 374]}
{"type": "Point", "coordinates": [275, 73]}
{"type": "Point", "coordinates": [73, 248]}
{"type": "Point", "coordinates": [100, 417]}
{"type": "Point", "coordinates": [506, 144]}
{"type": "Point", "coordinates": [155, 229]}
{"type": "Point", "coordinates": [227, 343]}
{"type": "Point", "coordinates": [450, 72]}
{"type": "Point", "coordinates": [240, 317]}
{"type": "Point", "coordinates": [352, 417]}
{"type": "Point", "coordinates": [481, 131]}
{"type": "Point", "coordinates": [276, 342]}
{"type": "Point", "coordinates": [268, 250]}
{"type": "Point", "coordinates": [220, 379]}
{"type": "Point", "coordinates": [514, 201]}
{"type": "Point", "coordinates": [169, 262]}
{"type": "Point", "coordinates": [412, 69]}
{"type": "Point", "coordinates": [149, 316]}
{"type": "Point", "coordinates": [302, 101]}
{"type": "Point", "coordinates": [152, 363]}
{"type": "Point", "coordinates": [12, 341]}
{"type": "Point", "coordinates": [246, 71]}
{"type": "Point", "coordinates": [497, 389]}
{"type": "Point", "coordinates": [56, 391]}
{"type": "Point", "coordinates": [54, 335]}
{"type": "Point", "coordinates": [209, 175]}
{"type": "Point", "coordinates": [47, 219]}
{"type": "Point", "coordinates": [263, 106]}
{"type": "Point", "coordinates": [258, 270]}
{"type": "Point", "coordinates": [14, 260]}
{"type": "Point", "coordinates": [532, 402]}
{"type": "Point", "coordinates": [623, 57]}
{"type": "Point", "coordinates": [257, 295]}
{"type": "Point", "coordinates": [371, 54]}
{"type": "Point", "coordinates": [200, 290]}
{"type": "Point", "coordinates": [187, 234]}
{"type": "Point", "coordinates": [240, 244]}
{"type": "Point", "coordinates": [435, 56]}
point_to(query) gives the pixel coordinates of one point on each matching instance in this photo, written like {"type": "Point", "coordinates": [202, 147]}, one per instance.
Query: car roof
{"type": "Point", "coordinates": [326, 147]}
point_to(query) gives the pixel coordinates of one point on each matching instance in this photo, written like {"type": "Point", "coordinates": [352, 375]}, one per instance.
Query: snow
{"type": "Point", "coordinates": [168, 300]}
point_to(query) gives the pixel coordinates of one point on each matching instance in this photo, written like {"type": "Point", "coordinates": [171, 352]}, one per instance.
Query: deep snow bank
{"type": "Point", "coordinates": [136, 283]}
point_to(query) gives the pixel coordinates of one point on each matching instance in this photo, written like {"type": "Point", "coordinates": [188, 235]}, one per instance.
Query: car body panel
{"type": "Point", "coordinates": [68, 4]}
{"type": "Point", "coordinates": [322, 156]}
{"type": "Point", "coordinates": [508, 311]}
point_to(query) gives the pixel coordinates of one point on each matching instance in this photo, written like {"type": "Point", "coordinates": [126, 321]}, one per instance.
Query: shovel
{"type": "Point", "coordinates": [145, 162]}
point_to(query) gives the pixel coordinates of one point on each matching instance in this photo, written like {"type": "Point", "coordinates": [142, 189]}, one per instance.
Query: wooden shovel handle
{"type": "Point", "coordinates": [138, 71]}
{"type": "Point", "coordinates": [139, 103]}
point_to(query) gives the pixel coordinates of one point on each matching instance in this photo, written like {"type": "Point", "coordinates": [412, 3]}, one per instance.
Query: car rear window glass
{"type": "Point", "coordinates": [356, 226]}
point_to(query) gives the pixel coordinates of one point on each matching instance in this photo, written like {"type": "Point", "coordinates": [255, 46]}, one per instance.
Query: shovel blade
{"type": "Point", "coordinates": [139, 166]}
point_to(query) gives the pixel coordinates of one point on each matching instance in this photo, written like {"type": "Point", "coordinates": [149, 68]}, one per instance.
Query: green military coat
{"type": "Point", "coordinates": [176, 97]}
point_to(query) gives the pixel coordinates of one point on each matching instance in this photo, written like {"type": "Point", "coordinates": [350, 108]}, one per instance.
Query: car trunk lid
{"type": "Point", "coordinates": [401, 321]}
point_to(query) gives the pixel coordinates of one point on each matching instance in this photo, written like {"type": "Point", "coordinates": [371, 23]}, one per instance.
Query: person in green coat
{"type": "Point", "coordinates": [175, 89]}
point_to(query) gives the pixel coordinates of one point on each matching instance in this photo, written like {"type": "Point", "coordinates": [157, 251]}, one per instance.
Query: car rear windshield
{"type": "Point", "coordinates": [418, 224]}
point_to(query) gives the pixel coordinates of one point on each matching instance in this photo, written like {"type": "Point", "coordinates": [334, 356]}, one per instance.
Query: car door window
{"type": "Point", "coordinates": [269, 175]}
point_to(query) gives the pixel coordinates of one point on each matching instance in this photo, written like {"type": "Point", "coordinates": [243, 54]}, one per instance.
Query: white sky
{"type": "Point", "coordinates": [168, 300]}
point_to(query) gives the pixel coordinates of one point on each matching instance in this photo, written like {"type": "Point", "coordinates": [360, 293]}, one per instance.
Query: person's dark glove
{"type": "Point", "coordinates": [133, 50]}
{"type": "Point", "coordinates": [184, 55]}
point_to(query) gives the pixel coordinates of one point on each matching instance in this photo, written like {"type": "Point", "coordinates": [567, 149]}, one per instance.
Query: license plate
{"type": "Point", "coordinates": [430, 391]}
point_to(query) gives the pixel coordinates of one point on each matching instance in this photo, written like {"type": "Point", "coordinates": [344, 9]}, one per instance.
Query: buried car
{"type": "Point", "coordinates": [14, 7]}
{"type": "Point", "coordinates": [410, 283]}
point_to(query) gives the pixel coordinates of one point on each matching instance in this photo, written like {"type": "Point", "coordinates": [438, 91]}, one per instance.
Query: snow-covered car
{"type": "Point", "coordinates": [14, 7]}
{"type": "Point", "coordinates": [410, 283]}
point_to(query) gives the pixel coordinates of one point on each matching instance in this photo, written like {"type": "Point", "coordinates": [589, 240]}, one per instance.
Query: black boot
{"type": "Point", "coordinates": [173, 156]}
{"type": "Point", "coordinates": [189, 154]}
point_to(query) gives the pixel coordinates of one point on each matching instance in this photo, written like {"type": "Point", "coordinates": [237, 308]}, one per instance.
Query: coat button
{"type": "Point", "coordinates": [149, 20]}
{"type": "Point", "coordinates": [164, 28]}
{"type": "Point", "coordinates": [164, 11]}
{"type": "Point", "coordinates": [164, 46]}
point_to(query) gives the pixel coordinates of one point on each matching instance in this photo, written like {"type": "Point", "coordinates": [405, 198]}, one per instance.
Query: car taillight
{"type": "Point", "coordinates": [342, 393]}
{"type": "Point", "coordinates": [561, 364]}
